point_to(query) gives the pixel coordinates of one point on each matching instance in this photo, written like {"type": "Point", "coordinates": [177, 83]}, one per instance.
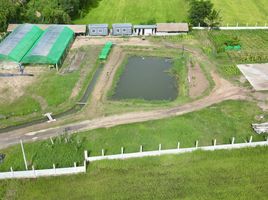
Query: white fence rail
{"type": "Point", "coordinates": [43, 172]}
{"type": "Point", "coordinates": [173, 151]}
{"type": "Point", "coordinates": [235, 28]}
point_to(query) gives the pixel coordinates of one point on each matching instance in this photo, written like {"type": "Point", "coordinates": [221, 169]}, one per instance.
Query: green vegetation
{"type": "Point", "coordinates": [254, 44]}
{"type": "Point", "coordinates": [141, 11]}
{"type": "Point", "coordinates": [223, 121]}
{"type": "Point", "coordinates": [236, 174]}
{"type": "Point", "coordinates": [51, 90]}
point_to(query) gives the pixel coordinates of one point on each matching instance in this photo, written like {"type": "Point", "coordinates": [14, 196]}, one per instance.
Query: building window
{"type": "Point", "coordinates": [93, 31]}
{"type": "Point", "coordinates": [100, 31]}
{"type": "Point", "coordinates": [118, 30]}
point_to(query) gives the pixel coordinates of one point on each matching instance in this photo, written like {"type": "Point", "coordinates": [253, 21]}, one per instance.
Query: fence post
{"type": "Point", "coordinates": [196, 144]}
{"type": "Point", "coordinates": [122, 150]}
{"type": "Point", "coordinates": [54, 167]}
{"type": "Point", "coordinates": [256, 24]}
{"type": "Point", "coordinates": [51, 140]}
{"type": "Point", "coordinates": [85, 166]}
{"type": "Point", "coordinates": [214, 142]}
{"type": "Point", "coordinates": [237, 24]}
{"type": "Point", "coordinates": [86, 154]}
{"type": "Point", "coordinates": [250, 139]}
{"type": "Point", "coordinates": [227, 25]}
{"type": "Point", "coordinates": [102, 152]}
{"type": "Point", "coordinates": [33, 171]}
{"type": "Point", "coordinates": [75, 168]}
{"type": "Point", "coordinates": [23, 154]}
{"type": "Point", "coordinates": [178, 145]}
{"type": "Point", "coordinates": [233, 140]}
{"type": "Point", "coordinates": [12, 172]}
{"type": "Point", "coordinates": [141, 148]}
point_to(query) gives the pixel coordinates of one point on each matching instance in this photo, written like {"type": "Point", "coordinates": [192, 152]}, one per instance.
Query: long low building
{"type": "Point", "coordinates": [172, 28]}
{"type": "Point", "coordinates": [77, 29]}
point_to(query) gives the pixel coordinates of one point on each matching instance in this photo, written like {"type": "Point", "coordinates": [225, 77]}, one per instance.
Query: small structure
{"type": "Point", "coordinates": [144, 29]}
{"type": "Point", "coordinates": [50, 118]}
{"type": "Point", "coordinates": [172, 28]}
{"type": "Point", "coordinates": [122, 29]}
{"type": "Point", "coordinates": [260, 128]}
{"type": "Point", "coordinates": [105, 51]}
{"type": "Point", "coordinates": [98, 29]}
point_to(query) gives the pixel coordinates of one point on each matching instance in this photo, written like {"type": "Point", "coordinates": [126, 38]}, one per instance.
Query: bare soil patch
{"type": "Point", "coordinates": [198, 82]}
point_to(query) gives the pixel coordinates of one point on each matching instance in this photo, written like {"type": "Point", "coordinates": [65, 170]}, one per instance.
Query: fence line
{"type": "Point", "coordinates": [174, 151]}
{"type": "Point", "coordinates": [235, 28]}
{"type": "Point", "coordinates": [43, 172]}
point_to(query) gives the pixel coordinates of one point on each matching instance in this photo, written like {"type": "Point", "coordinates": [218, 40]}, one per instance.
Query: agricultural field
{"type": "Point", "coordinates": [222, 121]}
{"type": "Point", "coordinates": [29, 98]}
{"type": "Point", "coordinates": [140, 11]}
{"type": "Point", "coordinates": [236, 174]}
{"type": "Point", "coordinates": [254, 45]}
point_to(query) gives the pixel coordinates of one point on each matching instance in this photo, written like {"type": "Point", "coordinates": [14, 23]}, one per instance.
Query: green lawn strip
{"type": "Point", "coordinates": [235, 174]}
{"type": "Point", "coordinates": [221, 122]}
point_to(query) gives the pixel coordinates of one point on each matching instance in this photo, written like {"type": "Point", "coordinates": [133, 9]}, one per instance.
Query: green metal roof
{"type": "Point", "coordinates": [16, 45]}
{"type": "Point", "coordinates": [50, 46]}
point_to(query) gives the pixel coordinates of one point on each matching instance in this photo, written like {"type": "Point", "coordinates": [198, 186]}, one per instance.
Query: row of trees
{"type": "Point", "coordinates": [41, 11]}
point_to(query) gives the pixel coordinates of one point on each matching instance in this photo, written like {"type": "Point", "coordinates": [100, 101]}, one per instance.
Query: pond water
{"type": "Point", "coordinates": [147, 78]}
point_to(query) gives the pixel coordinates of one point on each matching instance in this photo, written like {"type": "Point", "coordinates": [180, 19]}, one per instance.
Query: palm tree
{"type": "Point", "coordinates": [214, 19]}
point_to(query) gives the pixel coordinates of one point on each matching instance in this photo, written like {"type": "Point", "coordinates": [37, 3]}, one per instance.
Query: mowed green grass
{"type": "Point", "coordinates": [235, 174]}
{"type": "Point", "coordinates": [222, 122]}
{"type": "Point", "coordinates": [141, 11]}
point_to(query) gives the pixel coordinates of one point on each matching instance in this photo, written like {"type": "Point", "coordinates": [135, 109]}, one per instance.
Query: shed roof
{"type": "Point", "coordinates": [79, 29]}
{"type": "Point", "coordinates": [122, 25]}
{"type": "Point", "coordinates": [145, 26]}
{"type": "Point", "coordinates": [172, 27]}
{"type": "Point", "coordinates": [98, 25]}
{"type": "Point", "coordinates": [19, 42]}
{"type": "Point", "coordinates": [50, 46]}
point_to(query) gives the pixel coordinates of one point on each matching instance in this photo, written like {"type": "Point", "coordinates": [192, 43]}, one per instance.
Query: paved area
{"type": "Point", "coordinates": [256, 74]}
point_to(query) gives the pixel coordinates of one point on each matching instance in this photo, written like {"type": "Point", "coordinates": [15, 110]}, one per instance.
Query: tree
{"type": "Point", "coordinates": [198, 11]}
{"type": "Point", "coordinates": [214, 19]}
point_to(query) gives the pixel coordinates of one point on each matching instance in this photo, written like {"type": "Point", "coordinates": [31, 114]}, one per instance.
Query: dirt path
{"type": "Point", "coordinates": [223, 90]}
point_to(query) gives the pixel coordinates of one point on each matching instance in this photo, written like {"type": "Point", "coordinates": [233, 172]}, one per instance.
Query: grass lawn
{"type": "Point", "coordinates": [236, 174]}
{"type": "Point", "coordinates": [221, 122]}
{"type": "Point", "coordinates": [142, 11]}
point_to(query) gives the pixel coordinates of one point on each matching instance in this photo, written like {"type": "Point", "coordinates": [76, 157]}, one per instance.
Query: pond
{"type": "Point", "coordinates": [147, 78]}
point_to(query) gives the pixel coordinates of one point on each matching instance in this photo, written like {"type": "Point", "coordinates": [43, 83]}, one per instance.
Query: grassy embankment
{"type": "Point", "coordinates": [236, 174]}
{"type": "Point", "coordinates": [151, 11]}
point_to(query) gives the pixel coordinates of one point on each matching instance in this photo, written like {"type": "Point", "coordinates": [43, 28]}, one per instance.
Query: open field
{"type": "Point", "coordinates": [236, 174]}
{"type": "Point", "coordinates": [140, 11]}
{"type": "Point", "coordinates": [222, 121]}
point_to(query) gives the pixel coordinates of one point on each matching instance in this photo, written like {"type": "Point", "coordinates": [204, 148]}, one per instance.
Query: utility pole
{"type": "Point", "coordinates": [23, 153]}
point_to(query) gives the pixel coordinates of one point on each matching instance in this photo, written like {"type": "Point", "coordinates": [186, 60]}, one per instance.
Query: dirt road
{"type": "Point", "coordinates": [223, 90]}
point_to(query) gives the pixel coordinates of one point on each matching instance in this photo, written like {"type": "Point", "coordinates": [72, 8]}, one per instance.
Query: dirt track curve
{"type": "Point", "coordinates": [223, 90]}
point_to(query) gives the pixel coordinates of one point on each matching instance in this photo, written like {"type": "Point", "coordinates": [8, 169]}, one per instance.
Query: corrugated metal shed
{"type": "Point", "coordinates": [145, 26]}
{"type": "Point", "coordinates": [77, 29]}
{"type": "Point", "coordinates": [172, 27]}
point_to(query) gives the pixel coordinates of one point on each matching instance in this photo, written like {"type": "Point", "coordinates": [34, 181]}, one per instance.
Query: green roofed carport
{"type": "Point", "coordinates": [16, 45]}
{"type": "Point", "coordinates": [51, 46]}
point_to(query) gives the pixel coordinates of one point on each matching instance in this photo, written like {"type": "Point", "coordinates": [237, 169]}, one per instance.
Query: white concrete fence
{"type": "Point", "coordinates": [237, 26]}
{"type": "Point", "coordinates": [43, 172]}
{"type": "Point", "coordinates": [179, 150]}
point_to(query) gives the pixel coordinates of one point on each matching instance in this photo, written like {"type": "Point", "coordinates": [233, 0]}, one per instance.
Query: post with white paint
{"type": "Point", "coordinates": [237, 24]}
{"type": "Point", "coordinates": [33, 171]}
{"type": "Point", "coordinates": [233, 140]}
{"type": "Point", "coordinates": [102, 152]}
{"type": "Point", "coordinates": [75, 167]}
{"type": "Point", "coordinates": [214, 142]}
{"type": "Point", "coordinates": [122, 150]}
{"type": "Point", "coordinates": [86, 154]}
{"type": "Point", "coordinates": [250, 139]}
{"type": "Point", "coordinates": [141, 148]}
{"type": "Point", "coordinates": [178, 145]}
{"type": "Point", "coordinates": [196, 144]}
{"type": "Point", "coordinates": [12, 172]}
{"type": "Point", "coordinates": [85, 165]}
{"type": "Point", "coordinates": [54, 167]}
{"type": "Point", "coordinates": [51, 140]}
{"type": "Point", "coordinates": [24, 157]}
